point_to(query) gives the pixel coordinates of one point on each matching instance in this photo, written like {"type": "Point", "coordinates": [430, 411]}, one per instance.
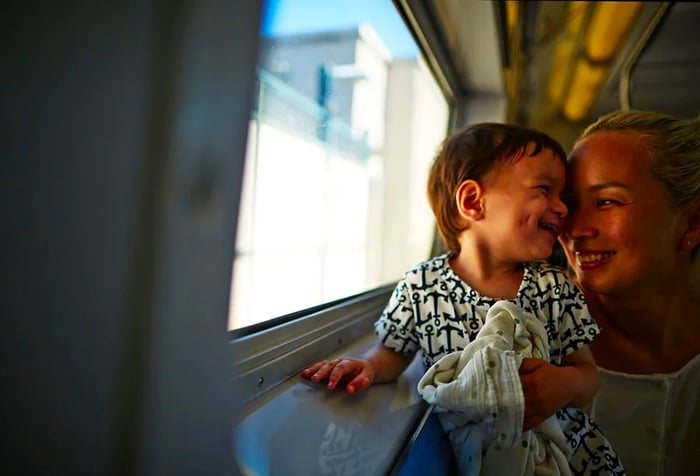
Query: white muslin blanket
{"type": "Point", "coordinates": [478, 395]}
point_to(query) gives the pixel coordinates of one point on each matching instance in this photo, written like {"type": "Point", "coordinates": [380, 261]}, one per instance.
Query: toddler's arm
{"type": "Point", "coordinates": [547, 387]}
{"type": "Point", "coordinates": [378, 364]}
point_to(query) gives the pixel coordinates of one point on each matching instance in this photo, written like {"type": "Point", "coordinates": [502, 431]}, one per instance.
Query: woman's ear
{"type": "Point", "coordinates": [469, 199]}
{"type": "Point", "coordinates": [691, 237]}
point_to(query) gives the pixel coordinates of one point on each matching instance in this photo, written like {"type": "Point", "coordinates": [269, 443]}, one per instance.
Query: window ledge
{"type": "Point", "coordinates": [303, 428]}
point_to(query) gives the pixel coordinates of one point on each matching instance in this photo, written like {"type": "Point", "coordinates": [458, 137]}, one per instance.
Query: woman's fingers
{"type": "Point", "coordinates": [529, 365]}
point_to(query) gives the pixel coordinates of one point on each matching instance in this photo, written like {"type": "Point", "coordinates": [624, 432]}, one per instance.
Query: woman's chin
{"type": "Point", "coordinates": [594, 282]}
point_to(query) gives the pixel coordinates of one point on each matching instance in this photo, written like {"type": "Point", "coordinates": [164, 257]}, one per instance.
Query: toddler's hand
{"type": "Point", "coordinates": [359, 371]}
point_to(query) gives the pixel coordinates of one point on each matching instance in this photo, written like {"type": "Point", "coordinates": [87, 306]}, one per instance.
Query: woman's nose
{"type": "Point", "coordinates": [578, 225]}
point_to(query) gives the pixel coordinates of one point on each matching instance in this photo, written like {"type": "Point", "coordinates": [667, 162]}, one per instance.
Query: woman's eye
{"type": "Point", "coordinates": [602, 202]}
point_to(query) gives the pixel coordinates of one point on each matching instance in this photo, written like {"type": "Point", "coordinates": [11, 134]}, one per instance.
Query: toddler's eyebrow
{"type": "Point", "coordinates": [545, 176]}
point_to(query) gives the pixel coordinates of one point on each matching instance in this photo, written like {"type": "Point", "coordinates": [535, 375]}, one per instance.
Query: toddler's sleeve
{"type": "Point", "coordinates": [396, 326]}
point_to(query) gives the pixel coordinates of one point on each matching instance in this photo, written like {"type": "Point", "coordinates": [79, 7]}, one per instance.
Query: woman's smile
{"type": "Point", "coordinates": [591, 259]}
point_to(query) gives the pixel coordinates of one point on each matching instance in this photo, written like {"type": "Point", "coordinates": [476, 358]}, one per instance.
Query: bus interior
{"type": "Point", "coordinates": [127, 130]}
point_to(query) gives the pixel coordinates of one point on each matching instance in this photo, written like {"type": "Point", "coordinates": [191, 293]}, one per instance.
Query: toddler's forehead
{"type": "Point", "coordinates": [528, 158]}
{"type": "Point", "coordinates": [533, 151]}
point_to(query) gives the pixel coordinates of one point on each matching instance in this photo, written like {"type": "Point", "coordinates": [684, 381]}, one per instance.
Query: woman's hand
{"type": "Point", "coordinates": [360, 372]}
{"type": "Point", "coordinates": [545, 389]}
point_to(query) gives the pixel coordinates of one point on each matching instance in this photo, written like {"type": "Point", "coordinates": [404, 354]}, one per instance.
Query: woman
{"type": "Point", "coordinates": [631, 238]}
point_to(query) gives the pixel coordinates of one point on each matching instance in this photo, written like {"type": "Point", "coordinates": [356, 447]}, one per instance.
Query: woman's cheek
{"type": "Point", "coordinates": [616, 226]}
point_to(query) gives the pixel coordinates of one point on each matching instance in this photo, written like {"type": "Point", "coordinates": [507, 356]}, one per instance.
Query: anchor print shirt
{"type": "Point", "coordinates": [433, 310]}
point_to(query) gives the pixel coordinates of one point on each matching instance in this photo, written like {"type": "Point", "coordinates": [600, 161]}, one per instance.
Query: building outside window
{"type": "Point", "coordinates": [334, 199]}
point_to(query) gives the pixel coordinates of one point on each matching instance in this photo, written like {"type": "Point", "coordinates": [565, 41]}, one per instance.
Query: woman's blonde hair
{"type": "Point", "coordinates": [673, 144]}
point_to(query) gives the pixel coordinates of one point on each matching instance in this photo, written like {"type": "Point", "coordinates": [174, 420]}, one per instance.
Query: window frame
{"type": "Point", "coordinates": [265, 358]}
{"type": "Point", "coordinates": [321, 330]}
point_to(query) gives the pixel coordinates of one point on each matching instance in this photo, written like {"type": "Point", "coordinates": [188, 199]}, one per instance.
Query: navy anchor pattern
{"type": "Point", "coordinates": [433, 310]}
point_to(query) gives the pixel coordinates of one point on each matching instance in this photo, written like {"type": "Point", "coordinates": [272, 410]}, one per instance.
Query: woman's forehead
{"type": "Point", "coordinates": [617, 149]}
{"type": "Point", "coordinates": [611, 157]}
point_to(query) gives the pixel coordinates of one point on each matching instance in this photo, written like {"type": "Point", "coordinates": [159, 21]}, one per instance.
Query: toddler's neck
{"type": "Point", "coordinates": [499, 282]}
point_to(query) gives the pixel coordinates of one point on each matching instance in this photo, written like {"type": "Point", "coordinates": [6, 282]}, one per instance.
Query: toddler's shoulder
{"type": "Point", "coordinates": [432, 268]}
{"type": "Point", "coordinates": [546, 271]}
{"type": "Point", "coordinates": [545, 275]}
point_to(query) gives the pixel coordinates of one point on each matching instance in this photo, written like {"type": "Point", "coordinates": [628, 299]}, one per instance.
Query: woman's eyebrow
{"type": "Point", "coordinates": [606, 185]}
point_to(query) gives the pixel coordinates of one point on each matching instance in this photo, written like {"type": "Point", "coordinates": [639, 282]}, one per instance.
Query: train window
{"type": "Point", "coordinates": [346, 121]}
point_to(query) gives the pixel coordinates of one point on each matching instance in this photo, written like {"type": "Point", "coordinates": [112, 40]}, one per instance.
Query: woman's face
{"type": "Point", "coordinates": [621, 236]}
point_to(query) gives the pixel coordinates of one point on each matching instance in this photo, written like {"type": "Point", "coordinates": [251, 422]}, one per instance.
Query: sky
{"type": "Point", "coordinates": [297, 16]}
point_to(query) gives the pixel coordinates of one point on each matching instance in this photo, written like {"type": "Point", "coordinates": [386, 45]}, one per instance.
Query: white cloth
{"type": "Point", "coordinates": [480, 399]}
{"type": "Point", "coordinates": [653, 421]}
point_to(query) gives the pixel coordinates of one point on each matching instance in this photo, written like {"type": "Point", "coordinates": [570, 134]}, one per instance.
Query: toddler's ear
{"type": "Point", "coordinates": [469, 199]}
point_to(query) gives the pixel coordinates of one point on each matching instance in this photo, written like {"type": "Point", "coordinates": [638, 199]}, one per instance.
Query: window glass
{"type": "Point", "coordinates": [346, 122]}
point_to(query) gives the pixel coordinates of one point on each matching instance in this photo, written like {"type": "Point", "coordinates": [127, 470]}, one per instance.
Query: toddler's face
{"type": "Point", "coordinates": [523, 207]}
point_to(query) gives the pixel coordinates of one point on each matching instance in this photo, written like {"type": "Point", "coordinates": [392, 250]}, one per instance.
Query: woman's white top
{"type": "Point", "coordinates": [652, 421]}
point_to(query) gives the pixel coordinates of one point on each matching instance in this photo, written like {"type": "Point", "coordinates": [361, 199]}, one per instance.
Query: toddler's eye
{"type": "Point", "coordinates": [544, 188]}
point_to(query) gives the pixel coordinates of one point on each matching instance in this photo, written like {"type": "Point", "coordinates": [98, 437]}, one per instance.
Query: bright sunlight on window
{"type": "Point", "coordinates": [346, 122]}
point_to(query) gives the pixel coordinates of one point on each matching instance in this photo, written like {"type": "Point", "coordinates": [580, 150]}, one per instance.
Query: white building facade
{"type": "Point", "coordinates": [334, 199]}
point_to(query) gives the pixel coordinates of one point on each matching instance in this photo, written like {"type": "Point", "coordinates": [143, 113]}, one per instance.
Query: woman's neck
{"type": "Point", "coordinates": [653, 333]}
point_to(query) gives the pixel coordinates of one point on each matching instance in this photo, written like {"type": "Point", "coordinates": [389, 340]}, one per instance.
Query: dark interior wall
{"type": "Point", "coordinates": [123, 136]}
{"type": "Point", "coordinates": [75, 92]}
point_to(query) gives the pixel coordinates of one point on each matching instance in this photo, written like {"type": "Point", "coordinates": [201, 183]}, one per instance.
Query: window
{"type": "Point", "coordinates": [346, 122]}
